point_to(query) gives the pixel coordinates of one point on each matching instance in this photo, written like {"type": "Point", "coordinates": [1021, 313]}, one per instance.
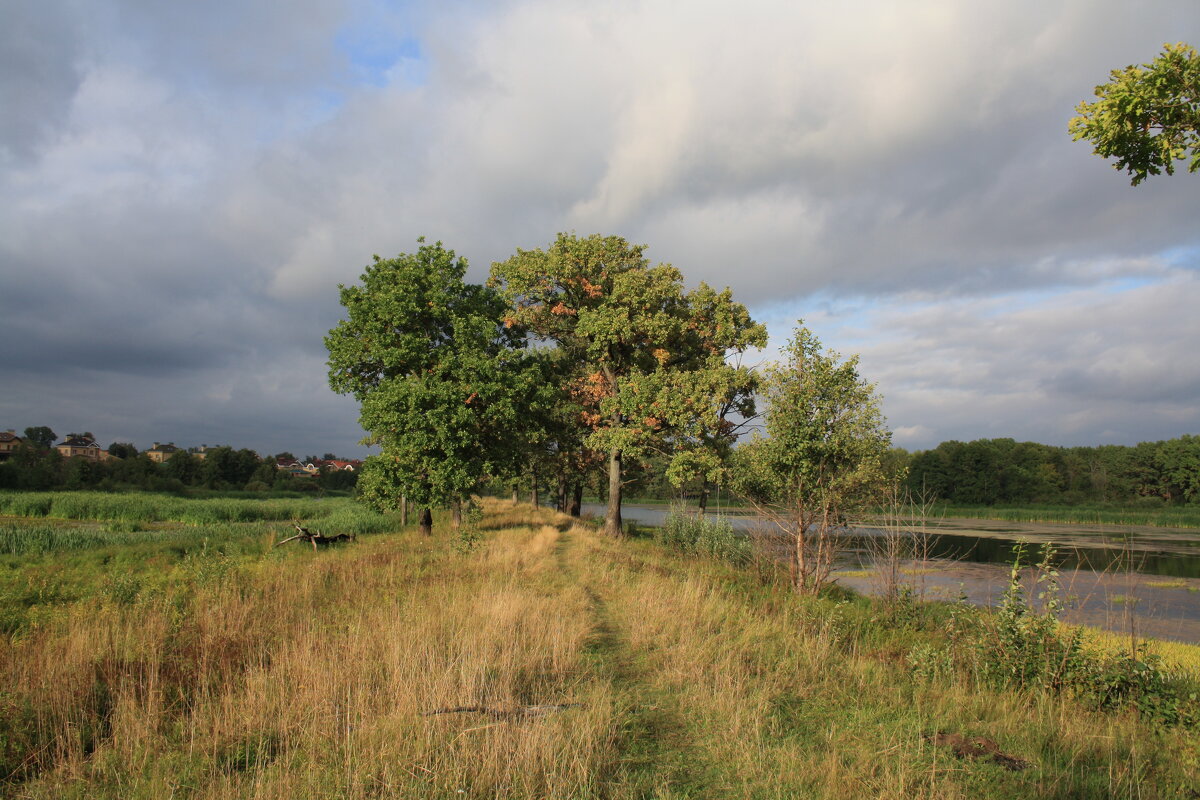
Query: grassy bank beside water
{"type": "Point", "coordinates": [197, 660]}
{"type": "Point", "coordinates": [1165, 516]}
{"type": "Point", "coordinates": [1162, 516]}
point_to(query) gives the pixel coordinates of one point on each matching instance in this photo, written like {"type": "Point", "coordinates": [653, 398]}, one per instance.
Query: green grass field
{"type": "Point", "coordinates": [160, 657]}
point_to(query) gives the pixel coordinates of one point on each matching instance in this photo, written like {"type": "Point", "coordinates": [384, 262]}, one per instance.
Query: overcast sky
{"type": "Point", "coordinates": [183, 186]}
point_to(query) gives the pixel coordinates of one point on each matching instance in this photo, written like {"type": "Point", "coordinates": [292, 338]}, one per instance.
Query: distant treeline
{"type": "Point", "coordinates": [33, 468]}
{"type": "Point", "coordinates": [1005, 471]}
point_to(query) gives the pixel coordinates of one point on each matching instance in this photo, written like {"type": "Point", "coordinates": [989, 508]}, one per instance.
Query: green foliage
{"type": "Point", "coordinates": [929, 662]}
{"type": "Point", "coordinates": [32, 468]}
{"type": "Point", "coordinates": [20, 735]}
{"type": "Point", "coordinates": [442, 383]}
{"type": "Point", "coordinates": [689, 532]}
{"type": "Point", "coordinates": [649, 358]}
{"type": "Point", "coordinates": [123, 450]}
{"type": "Point", "coordinates": [1004, 471]}
{"type": "Point", "coordinates": [822, 457]}
{"type": "Point", "coordinates": [1026, 648]}
{"type": "Point", "coordinates": [468, 537]}
{"type": "Point", "coordinates": [1147, 117]}
{"type": "Point", "coordinates": [146, 507]}
{"type": "Point", "coordinates": [40, 437]}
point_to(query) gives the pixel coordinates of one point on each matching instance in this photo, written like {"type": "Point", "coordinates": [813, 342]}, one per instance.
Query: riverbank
{"type": "Point", "coordinates": [1163, 516]}
{"type": "Point", "coordinates": [1121, 577]}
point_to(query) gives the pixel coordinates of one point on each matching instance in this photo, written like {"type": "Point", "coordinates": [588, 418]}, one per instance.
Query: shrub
{"type": "Point", "coordinates": [681, 530]}
{"type": "Point", "coordinates": [690, 532]}
{"type": "Point", "coordinates": [1020, 647]}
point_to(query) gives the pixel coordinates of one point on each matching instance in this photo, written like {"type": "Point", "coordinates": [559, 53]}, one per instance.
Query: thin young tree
{"type": "Point", "coordinates": [822, 456]}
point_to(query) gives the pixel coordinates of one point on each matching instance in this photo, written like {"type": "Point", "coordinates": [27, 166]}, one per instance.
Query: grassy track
{"type": "Point", "coordinates": [654, 755]}
{"type": "Point", "coordinates": [225, 668]}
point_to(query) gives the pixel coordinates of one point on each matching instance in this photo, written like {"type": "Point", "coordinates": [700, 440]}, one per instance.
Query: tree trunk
{"type": "Point", "coordinates": [577, 499]}
{"type": "Point", "coordinates": [703, 497]}
{"type": "Point", "coordinates": [403, 511]}
{"type": "Point", "coordinates": [425, 522]}
{"type": "Point", "coordinates": [560, 504]}
{"type": "Point", "coordinates": [516, 498]}
{"type": "Point", "coordinates": [456, 514]}
{"type": "Point", "coordinates": [533, 492]}
{"type": "Point", "coordinates": [612, 520]}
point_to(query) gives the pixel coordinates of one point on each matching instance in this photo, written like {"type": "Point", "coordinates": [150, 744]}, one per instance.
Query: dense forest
{"type": "Point", "coordinates": [1005, 471]}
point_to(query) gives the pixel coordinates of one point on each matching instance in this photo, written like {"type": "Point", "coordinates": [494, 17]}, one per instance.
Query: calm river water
{"type": "Point", "coordinates": [1117, 577]}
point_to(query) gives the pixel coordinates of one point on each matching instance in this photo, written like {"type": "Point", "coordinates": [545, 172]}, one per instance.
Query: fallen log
{"type": "Point", "coordinates": [316, 537]}
{"type": "Point", "coordinates": [520, 712]}
{"type": "Point", "coordinates": [975, 747]}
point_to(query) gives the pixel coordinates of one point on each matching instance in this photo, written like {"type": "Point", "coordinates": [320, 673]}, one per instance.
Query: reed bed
{"type": "Point", "coordinates": [1165, 516]}
{"type": "Point", "coordinates": [149, 507]}
{"type": "Point", "coordinates": [41, 539]}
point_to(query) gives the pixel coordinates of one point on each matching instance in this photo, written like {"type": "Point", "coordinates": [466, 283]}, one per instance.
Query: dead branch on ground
{"type": "Point", "coordinates": [316, 537]}
{"type": "Point", "coordinates": [521, 712]}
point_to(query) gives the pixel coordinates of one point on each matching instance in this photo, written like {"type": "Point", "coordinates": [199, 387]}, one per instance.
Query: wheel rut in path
{"type": "Point", "coordinates": [652, 738]}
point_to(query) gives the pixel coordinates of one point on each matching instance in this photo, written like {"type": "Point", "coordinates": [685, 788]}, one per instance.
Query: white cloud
{"type": "Point", "coordinates": [1080, 366]}
{"type": "Point", "coordinates": [201, 181]}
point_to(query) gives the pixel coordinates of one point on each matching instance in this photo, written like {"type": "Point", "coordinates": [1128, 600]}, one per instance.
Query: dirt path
{"type": "Point", "coordinates": [656, 757]}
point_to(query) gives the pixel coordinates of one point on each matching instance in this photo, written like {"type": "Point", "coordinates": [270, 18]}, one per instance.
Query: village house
{"type": "Point", "coordinates": [312, 468]}
{"type": "Point", "coordinates": [161, 452]}
{"type": "Point", "coordinates": [337, 463]}
{"type": "Point", "coordinates": [295, 468]}
{"type": "Point", "coordinates": [9, 442]}
{"type": "Point", "coordinates": [82, 446]}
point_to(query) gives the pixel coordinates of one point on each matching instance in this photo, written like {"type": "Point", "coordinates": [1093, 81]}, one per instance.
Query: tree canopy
{"type": "Point", "coordinates": [1147, 117]}
{"type": "Point", "coordinates": [441, 379]}
{"type": "Point", "coordinates": [40, 436]}
{"type": "Point", "coordinates": [823, 454]}
{"type": "Point", "coordinates": [650, 358]}
{"type": "Point", "coordinates": [1005, 471]}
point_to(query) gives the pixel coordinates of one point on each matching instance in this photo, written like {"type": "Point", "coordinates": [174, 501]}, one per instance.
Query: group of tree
{"type": "Point", "coordinates": [37, 466]}
{"type": "Point", "coordinates": [1007, 472]}
{"type": "Point", "coordinates": [578, 354]}
{"type": "Point", "coordinates": [584, 356]}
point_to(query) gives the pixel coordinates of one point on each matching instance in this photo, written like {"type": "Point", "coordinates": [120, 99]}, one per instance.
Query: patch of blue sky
{"type": "Point", "coordinates": [1183, 257]}
{"type": "Point", "coordinates": [1127, 284]}
{"type": "Point", "coordinates": [837, 321]}
{"type": "Point", "coordinates": [381, 57]}
{"type": "Point", "coordinates": [1009, 302]}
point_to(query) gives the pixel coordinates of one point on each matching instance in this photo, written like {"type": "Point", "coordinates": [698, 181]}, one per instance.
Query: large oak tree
{"type": "Point", "coordinates": [443, 382]}
{"type": "Point", "coordinates": [652, 358]}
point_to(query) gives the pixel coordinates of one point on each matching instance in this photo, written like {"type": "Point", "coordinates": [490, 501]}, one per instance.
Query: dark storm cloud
{"type": "Point", "coordinates": [184, 186]}
{"type": "Point", "coordinates": [39, 74]}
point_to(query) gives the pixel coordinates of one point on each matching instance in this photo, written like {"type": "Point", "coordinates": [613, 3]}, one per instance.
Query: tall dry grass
{"type": "Point", "coordinates": [286, 673]}
{"type": "Point", "coordinates": [793, 698]}
{"type": "Point", "coordinates": [310, 677]}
